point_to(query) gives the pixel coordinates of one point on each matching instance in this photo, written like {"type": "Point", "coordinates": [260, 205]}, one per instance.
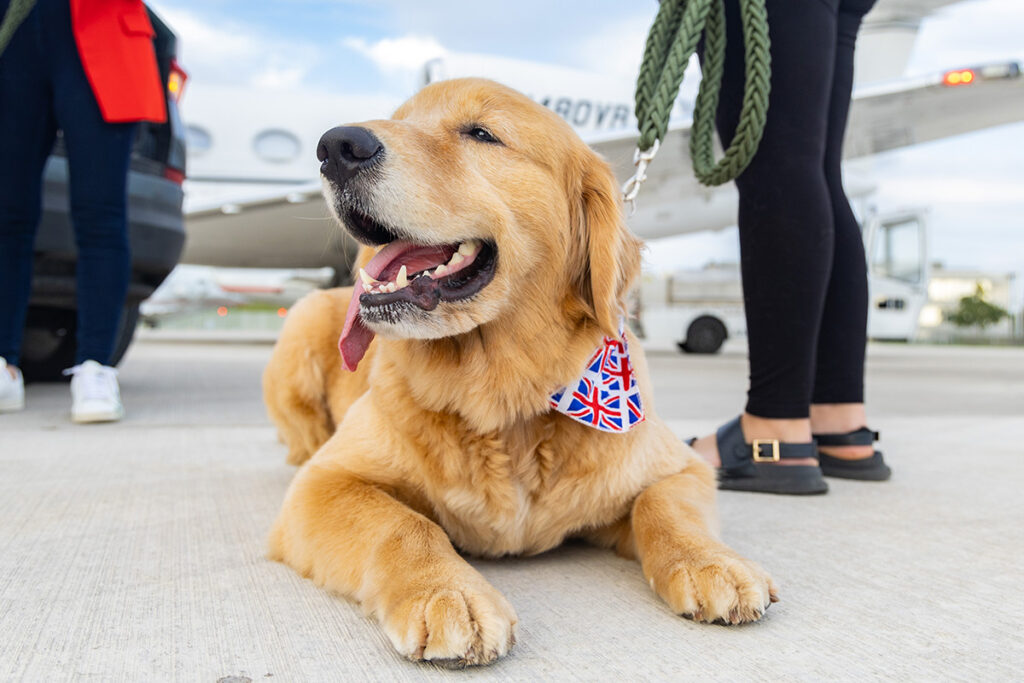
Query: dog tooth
{"type": "Point", "coordinates": [468, 247]}
{"type": "Point", "coordinates": [440, 270]}
{"type": "Point", "coordinates": [365, 277]}
{"type": "Point", "coordinates": [456, 259]}
{"type": "Point", "coordinates": [390, 287]}
{"type": "Point", "coordinates": [403, 278]}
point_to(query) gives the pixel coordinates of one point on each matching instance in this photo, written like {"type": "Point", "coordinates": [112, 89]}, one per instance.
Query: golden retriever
{"type": "Point", "coordinates": [503, 263]}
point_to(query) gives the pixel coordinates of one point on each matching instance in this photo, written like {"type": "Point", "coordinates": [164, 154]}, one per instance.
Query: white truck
{"type": "Point", "coordinates": [696, 311]}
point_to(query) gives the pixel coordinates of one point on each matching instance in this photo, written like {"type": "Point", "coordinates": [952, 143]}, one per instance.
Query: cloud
{"type": "Point", "coordinates": [233, 52]}
{"type": "Point", "coordinates": [399, 60]}
{"type": "Point", "coordinates": [614, 48]}
{"type": "Point", "coordinates": [405, 53]}
{"type": "Point", "coordinates": [540, 30]}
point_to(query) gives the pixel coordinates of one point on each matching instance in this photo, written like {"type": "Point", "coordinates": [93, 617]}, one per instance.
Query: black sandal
{"type": "Point", "coordinates": [751, 466]}
{"type": "Point", "coordinates": [863, 469]}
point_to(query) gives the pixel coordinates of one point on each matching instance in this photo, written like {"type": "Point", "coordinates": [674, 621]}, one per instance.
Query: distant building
{"type": "Point", "coordinates": [948, 286]}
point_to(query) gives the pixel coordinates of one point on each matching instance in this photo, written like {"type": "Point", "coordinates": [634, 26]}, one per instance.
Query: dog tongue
{"type": "Point", "coordinates": [356, 337]}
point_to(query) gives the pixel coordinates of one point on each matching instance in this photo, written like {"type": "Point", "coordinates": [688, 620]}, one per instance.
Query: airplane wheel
{"type": "Point", "coordinates": [706, 334]}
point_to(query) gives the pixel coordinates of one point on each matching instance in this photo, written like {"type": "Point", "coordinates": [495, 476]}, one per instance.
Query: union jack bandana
{"type": "Point", "coordinates": [606, 396]}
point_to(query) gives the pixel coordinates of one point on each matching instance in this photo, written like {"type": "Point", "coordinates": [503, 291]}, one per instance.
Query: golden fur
{"type": "Point", "coordinates": [441, 440]}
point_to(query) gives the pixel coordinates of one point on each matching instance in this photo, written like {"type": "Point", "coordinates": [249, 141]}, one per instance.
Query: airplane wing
{"type": "Point", "coordinates": [960, 101]}
{"type": "Point", "coordinates": [291, 224]}
{"type": "Point", "coordinates": [294, 228]}
{"type": "Point", "coordinates": [882, 118]}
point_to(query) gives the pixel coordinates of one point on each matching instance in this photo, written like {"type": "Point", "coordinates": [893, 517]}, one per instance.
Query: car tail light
{"type": "Point", "coordinates": [174, 175]}
{"type": "Point", "coordinates": [176, 80]}
{"type": "Point", "coordinates": [958, 77]}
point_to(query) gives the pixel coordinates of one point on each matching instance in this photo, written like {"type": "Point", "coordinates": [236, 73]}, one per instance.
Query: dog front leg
{"type": "Point", "coordinates": [353, 537]}
{"type": "Point", "coordinates": [673, 524]}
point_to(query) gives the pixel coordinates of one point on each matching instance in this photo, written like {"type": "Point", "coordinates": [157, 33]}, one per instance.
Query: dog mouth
{"type": "Point", "coordinates": [366, 229]}
{"type": "Point", "coordinates": [407, 278]}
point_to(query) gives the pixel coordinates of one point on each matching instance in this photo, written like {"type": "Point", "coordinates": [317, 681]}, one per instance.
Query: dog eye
{"type": "Point", "coordinates": [482, 135]}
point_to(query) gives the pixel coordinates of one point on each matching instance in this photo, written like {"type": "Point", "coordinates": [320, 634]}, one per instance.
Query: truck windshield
{"type": "Point", "coordinates": [897, 251]}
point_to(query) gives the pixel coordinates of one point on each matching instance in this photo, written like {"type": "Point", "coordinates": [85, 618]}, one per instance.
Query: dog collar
{"type": "Point", "coordinates": [606, 395]}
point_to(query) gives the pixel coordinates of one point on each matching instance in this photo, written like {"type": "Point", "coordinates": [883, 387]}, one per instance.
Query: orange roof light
{"type": "Point", "coordinates": [282, 312]}
{"type": "Point", "coordinates": [958, 77]}
{"type": "Point", "coordinates": [222, 311]}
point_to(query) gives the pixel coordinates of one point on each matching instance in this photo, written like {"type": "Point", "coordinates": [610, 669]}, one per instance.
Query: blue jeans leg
{"type": "Point", "coordinates": [98, 160]}
{"type": "Point", "coordinates": [27, 130]}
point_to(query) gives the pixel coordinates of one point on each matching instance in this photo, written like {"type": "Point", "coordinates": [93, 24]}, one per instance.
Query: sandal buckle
{"type": "Point", "coordinates": [756, 447]}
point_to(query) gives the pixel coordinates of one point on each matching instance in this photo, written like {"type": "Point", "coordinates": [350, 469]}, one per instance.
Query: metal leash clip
{"type": "Point", "coordinates": [632, 186]}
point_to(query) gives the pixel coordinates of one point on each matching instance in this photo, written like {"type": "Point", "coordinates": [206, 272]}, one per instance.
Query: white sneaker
{"type": "Point", "coordinates": [12, 389]}
{"type": "Point", "coordinates": [95, 396]}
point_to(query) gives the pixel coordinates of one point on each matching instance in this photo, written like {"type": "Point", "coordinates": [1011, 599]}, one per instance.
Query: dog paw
{"type": "Point", "coordinates": [455, 627]}
{"type": "Point", "coordinates": [719, 586]}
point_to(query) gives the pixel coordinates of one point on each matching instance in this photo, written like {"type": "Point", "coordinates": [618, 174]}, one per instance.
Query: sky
{"type": "Point", "coordinates": [973, 185]}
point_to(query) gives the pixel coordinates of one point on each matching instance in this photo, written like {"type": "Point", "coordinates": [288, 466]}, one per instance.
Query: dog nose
{"type": "Point", "coordinates": [345, 150]}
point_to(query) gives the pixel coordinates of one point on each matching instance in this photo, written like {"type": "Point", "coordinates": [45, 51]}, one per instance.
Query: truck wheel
{"type": "Point", "coordinates": [48, 346]}
{"type": "Point", "coordinates": [706, 334]}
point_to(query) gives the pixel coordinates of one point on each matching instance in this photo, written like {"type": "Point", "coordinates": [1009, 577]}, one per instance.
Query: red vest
{"type": "Point", "coordinates": [115, 43]}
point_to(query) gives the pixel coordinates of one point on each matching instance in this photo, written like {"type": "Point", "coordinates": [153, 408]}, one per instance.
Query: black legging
{"type": "Point", "coordinates": [804, 273]}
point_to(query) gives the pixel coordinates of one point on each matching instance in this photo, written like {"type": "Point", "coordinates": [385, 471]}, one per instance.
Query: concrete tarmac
{"type": "Point", "coordinates": [134, 551]}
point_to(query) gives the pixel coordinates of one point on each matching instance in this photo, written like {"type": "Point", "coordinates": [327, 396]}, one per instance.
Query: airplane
{"type": "Point", "coordinates": [205, 288]}
{"type": "Point", "coordinates": [253, 193]}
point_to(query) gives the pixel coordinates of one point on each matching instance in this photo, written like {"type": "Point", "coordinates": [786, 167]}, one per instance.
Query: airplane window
{"type": "Point", "coordinates": [277, 146]}
{"type": "Point", "coordinates": [197, 139]}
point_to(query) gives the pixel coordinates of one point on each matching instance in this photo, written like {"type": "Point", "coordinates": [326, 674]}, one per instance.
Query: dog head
{"type": "Point", "coordinates": [483, 203]}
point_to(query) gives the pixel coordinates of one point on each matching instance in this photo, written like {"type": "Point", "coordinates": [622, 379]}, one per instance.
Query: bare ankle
{"type": "Point", "coordinates": [788, 431]}
{"type": "Point", "coordinates": [837, 418]}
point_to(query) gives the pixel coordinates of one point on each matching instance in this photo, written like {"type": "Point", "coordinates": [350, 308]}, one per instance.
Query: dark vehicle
{"type": "Point", "coordinates": [155, 225]}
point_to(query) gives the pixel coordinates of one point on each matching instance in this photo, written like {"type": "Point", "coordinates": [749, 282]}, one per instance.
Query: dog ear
{"type": "Point", "coordinates": [605, 254]}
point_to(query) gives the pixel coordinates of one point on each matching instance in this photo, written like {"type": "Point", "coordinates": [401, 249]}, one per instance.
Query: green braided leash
{"type": "Point", "coordinates": [16, 13]}
{"type": "Point", "coordinates": [672, 40]}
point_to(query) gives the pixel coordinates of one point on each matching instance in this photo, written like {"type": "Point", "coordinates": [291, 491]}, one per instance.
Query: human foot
{"type": "Point", "coordinates": [764, 429]}
{"type": "Point", "coordinates": [840, 418]}
{"type": "Point", "coordinates": [95, 395]}
{"type": "Point", "coordinates": [750, 464]}
{"type": "Point", "coordinates": [12, 388]}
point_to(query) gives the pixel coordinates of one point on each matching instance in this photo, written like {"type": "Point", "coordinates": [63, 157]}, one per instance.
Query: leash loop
{"type": "Point", "coordinates": [677, 30]}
